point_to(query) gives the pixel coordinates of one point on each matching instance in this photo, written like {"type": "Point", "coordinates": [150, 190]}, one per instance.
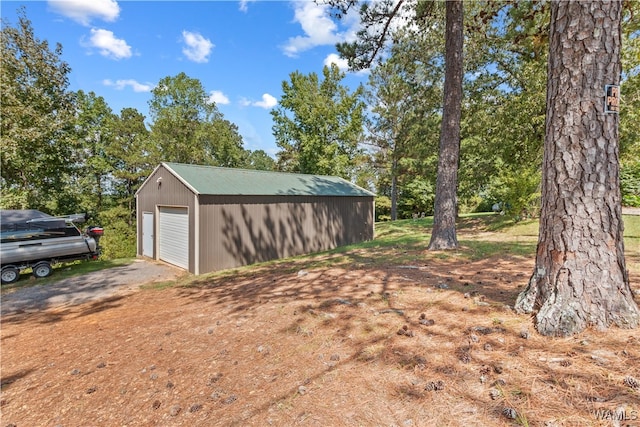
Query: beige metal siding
{"type": "Point", "coordinates": [242, 230]}
{"type": "Point", "coordinates": [170, 192]}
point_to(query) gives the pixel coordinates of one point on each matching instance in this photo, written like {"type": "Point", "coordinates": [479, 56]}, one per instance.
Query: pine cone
{"type": "Point", "coordinates": [632, 382]}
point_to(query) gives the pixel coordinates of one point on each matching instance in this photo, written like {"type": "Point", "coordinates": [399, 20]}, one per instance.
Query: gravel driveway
{"type": "Point", "coordinates": [88, 287]}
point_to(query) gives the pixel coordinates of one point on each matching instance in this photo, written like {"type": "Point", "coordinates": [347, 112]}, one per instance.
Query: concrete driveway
{"type": "Point", "coordinates": [88, 287]}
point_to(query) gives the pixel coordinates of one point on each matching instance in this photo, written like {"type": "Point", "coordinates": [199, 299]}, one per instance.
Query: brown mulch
{"type": "Point", "coordinates": [419, 345]}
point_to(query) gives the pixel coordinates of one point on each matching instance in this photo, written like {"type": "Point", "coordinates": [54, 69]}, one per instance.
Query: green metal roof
{"type": "Point", "coordinates": [209, 180]}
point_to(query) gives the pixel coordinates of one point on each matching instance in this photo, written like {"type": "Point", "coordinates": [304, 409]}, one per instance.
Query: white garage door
{"type": "Point", "coordinates": [173, 241]}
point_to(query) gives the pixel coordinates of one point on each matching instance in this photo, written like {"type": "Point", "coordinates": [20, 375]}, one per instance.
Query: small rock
{"type": "Point", "coordinates": [302, 390]}
{"type": "Point", "coordinates": [195, 407]}
{"type": "Point", "coordinates": [474, 338]}
{"type": "Point", "coordinates": [495, 394]}
{"type": "Point", "coordinates": [498, 368]}
{"type": "Point", "coordinates": [156, 404]}
{"type": "Point", "coordinates": [524, 334]}
{"type": "Point", "coordinates": [154, 376]}
{"type": "Point", "coordinates": [101, 365]}
{"type": "Point", "coordinates": [442, 286]}
{"type": "Point", "coordinates": [427, 322]}
{"type": "Point", "coordinates": [499, 383]}
{"type": "Point", "coordinates": [169, 384]}
{"type": "Point", "coordinates": [488, 347]}
{"type": "Point", "coordinates": [334, 357]}
{"type": "Point", "coordinates": [175, 410]}
{"type": "Point", "coordinates": [215, 395]}
{"type": "Point", "coordinates": [302, 273]}
{"type": "Point", "coordinates": [75, 372]}
{"type": "Point", "coordinates": [91, 390]}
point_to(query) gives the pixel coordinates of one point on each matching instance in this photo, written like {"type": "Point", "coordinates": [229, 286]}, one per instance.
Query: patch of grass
{"type": "Point", "coordinates": [404, 242]}
{"type": "Point", "coordinates": [631, 232]}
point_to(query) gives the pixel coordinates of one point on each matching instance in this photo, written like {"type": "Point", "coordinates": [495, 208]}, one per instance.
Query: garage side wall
{"type": "Point", "coordinates": [169, 192]}
{"type": "Point", "coordinates": [242, 230]}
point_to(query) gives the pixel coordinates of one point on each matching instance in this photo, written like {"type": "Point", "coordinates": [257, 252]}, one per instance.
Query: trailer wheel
{"type": "Point", "coordinates": [10, 274]}
{"type": "Point", "coordinates": [42, 269]}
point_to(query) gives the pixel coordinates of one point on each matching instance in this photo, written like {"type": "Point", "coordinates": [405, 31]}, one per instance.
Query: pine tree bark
{"type": "Point", "coordinates": [445, 212]}
{"type": "Point", "coordinates": [580, 279]}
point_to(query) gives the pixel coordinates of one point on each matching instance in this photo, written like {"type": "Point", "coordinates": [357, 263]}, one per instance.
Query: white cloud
{"type": "Point", "coordinates": [244, 5]}
{"type": "Point", "coordinates": [218, 97]}
{"type": "Point", "coordinates": [334, 58]}
{"type": "Point", "coordinates": [197, 47]}
{"type": "Point", "coordinates": [108, 44]}
{"type": "Point", "coordinates": [343, 64]}
{"type": "Point", "coordinates": [267, 102]}
{"type": "Point", "coordinates": [318, 27]}
{"type": "Point", "coordinates": [121, 84]}
{"type": "Point", "coordinates": [83, 11]}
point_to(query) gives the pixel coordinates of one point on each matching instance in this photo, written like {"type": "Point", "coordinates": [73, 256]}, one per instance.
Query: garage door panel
{"type": "Point", "coordinates": [173, 241]}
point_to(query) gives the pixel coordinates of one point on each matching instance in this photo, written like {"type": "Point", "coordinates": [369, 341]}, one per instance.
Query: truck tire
{"type": "Point", "coordinates": [10, 274]}
{"type": "Point", "coordinates": [42, 269]}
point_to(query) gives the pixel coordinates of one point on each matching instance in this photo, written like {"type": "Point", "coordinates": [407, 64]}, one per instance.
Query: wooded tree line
{"type": "Point", "coordinates": [65, 151]}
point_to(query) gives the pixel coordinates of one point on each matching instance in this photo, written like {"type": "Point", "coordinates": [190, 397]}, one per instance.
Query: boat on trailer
{"type": "Point", "coordinates": [30, 238]}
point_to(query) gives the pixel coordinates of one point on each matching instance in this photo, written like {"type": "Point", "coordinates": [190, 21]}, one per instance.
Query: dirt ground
{"type": "Point", "coordinates": [434, 344]}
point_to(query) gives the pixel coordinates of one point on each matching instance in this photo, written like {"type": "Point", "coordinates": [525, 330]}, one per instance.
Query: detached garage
{"type": "Point", "coordinates": [204, 218]}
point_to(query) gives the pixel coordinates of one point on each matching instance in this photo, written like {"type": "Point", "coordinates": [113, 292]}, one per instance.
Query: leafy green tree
{"type": "Point", "coordinates": [37, 114]}
{"type": "Point", "coordinates": [92, 135]}
{"type": "Point", "coordinates": [377, 28]}
{"type": "Point", "coordinates": [505, 106]}
{"type": "Point", "coordinates": [318, 124]}
{"type": "Point", "coordinates": [260, 160]}
{"type": "Point", "coordinates": [133, 157]}
{"type": "Point", "coordinates": [188, 128]}
{"type": "Point", "coordinates": [405, 98]}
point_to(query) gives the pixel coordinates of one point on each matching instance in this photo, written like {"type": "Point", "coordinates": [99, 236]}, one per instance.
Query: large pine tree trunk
{"type": "Point", "coordinates": [580, 278]}
{"type": "Point", "coordinates": [443, 235]}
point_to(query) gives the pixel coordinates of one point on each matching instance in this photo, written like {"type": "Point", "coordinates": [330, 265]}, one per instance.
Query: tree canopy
{"type": "Point", "coordinates": [318, 124]}
{"type": "Point", "coordinates": [37, 115]}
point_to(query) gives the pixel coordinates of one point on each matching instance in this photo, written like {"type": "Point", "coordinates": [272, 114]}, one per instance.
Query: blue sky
{"type": "Point", "coordinates": [241, 51]}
